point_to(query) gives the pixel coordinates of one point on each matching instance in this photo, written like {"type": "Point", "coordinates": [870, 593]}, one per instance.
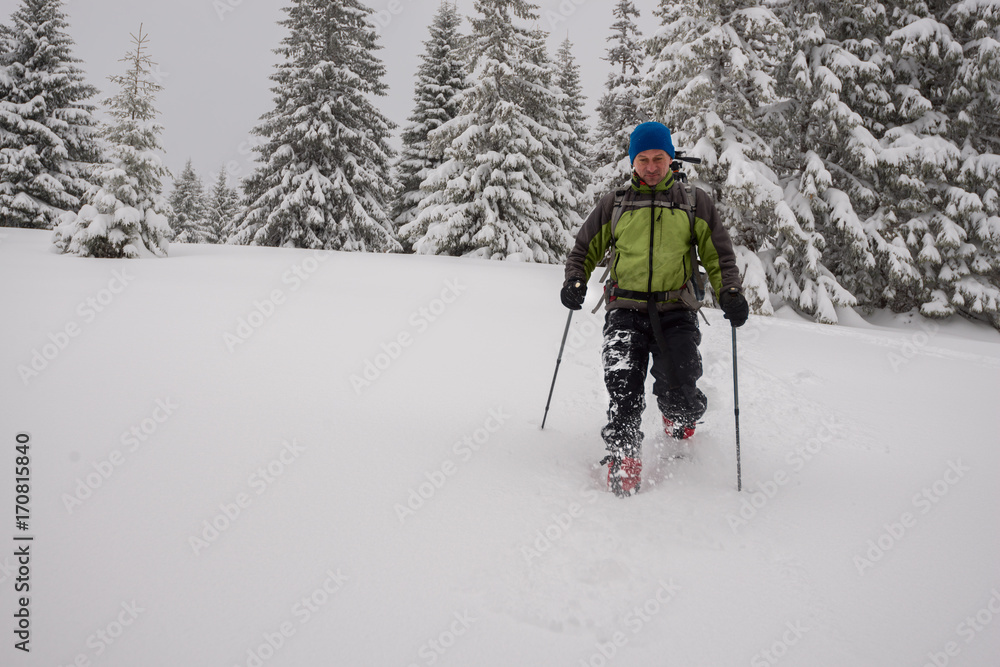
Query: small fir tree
{"type": "Point", "coordinates": [189, 210]}
{"type": "Point", "coordinates": [222, 209]}
{"type": "Point", "coordinates": [125, 214]}
{"type": "Point", "coordinates": [576, 160]}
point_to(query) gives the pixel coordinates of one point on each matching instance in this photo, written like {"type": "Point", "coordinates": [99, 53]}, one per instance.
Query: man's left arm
{"type": "Point", "coordinates": [715, 247]}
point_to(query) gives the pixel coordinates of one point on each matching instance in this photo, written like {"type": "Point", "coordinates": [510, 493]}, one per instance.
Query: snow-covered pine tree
{"type": "Point", "coordinates": [860, 29]}
{"type": "Point", "coordinates": [49, 141]}
{"type": "Point", "coordinates": [619, 110]}
{"type": "Point", "coordinates": [801, 276]}
{"type": "Point", "coordinates": [975, 24]}
{"type": "Point", "coordinates": [441, 77]}
{"type": "Point", "coordinates": [222, 208]}
{"type": "Point", "coordinates": [126, 213]}
{"type": "Point", "coordinates": [712, 81]}
{"type": "Point", "coordinates": [945, 185]}
{"type": "Point", "coordinates": [575, 148]}
{"type": "Point", "coordinates": [975, 94]}
{"type": "Point", "coordinates": [323, 181]}
{"type": "Point", "coordinates": [828, 158]}
{"type": "Point", "coordinates": [188, 218]}
{"type": "Point", "coordinates": [494, 195]}
{"type": "Point", "coordinates": [546, 105]}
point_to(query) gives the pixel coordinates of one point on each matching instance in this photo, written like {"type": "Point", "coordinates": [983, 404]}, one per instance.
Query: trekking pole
{"type": "Point", "coordinates": [736, 399]}
{"type": "Point", "coordinates": [558, 361]}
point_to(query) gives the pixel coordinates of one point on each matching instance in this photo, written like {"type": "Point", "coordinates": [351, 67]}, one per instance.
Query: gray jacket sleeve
{"type": "Point", "coordinates": [591, 241]}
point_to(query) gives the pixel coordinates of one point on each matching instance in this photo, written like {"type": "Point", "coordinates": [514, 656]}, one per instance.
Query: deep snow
{"type": "Point", "coordinates": [417, 515]}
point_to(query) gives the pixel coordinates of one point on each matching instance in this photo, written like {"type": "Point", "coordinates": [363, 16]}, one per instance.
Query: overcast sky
{"type": "Point", "coordinates": [215, 56]}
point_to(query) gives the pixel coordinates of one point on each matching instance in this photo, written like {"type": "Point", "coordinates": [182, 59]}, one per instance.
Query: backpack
{"type": "Point", "coordinates": [697, 281]}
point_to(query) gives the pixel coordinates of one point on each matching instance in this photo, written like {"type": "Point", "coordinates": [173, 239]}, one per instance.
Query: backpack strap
{"type": "Point", "coordinates": [609, 257]}
{"type": "Point", "coordinates": [690, 200]}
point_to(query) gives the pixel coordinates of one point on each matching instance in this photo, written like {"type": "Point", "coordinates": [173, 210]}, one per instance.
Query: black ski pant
{"type": "Point", "coordinates": [629, 343]}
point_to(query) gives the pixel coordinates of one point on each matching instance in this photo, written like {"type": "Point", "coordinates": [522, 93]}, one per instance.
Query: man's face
{"type": "Point", "coordinates": [652, 165]}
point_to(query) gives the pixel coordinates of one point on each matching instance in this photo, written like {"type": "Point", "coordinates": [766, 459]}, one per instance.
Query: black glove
{"type": "Point", "coordinates": [735, 307]}
{"type": "Point", "coordinates": [573, 293]}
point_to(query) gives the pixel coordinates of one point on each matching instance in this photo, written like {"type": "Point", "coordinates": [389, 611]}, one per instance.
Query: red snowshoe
{"type": "Point", "coordinates": [677, 430]}
{"type": "Point", "coordinates": [623, 475]}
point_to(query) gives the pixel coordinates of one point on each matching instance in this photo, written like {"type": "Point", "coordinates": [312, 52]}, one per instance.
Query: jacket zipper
{"type": "Point", "coordinates": [649, 287]}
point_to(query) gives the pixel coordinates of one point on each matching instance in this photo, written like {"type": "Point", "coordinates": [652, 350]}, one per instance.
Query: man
{"type": "Point", "coordinates": [651, 308]}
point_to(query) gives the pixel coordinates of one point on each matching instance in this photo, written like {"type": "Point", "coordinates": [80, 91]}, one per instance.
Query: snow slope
{"type": "Point", "coordinates": [206, 492]}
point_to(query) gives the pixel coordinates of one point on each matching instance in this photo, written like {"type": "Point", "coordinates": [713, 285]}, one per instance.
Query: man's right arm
{"type": "Point", "coordinates": [592, 241]}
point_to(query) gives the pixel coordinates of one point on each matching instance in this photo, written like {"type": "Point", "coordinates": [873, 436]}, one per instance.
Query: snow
{"type": "Point", "coordinates": [354, 439]}
{"type": "Point", "coordinates": [925, 33]}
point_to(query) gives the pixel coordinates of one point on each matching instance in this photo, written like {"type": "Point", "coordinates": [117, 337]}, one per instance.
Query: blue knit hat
{"type": "Point", "coordinates": [649, 136]}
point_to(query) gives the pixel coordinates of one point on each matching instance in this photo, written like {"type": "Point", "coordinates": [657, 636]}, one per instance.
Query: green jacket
{"type": "Point", "coordinates": [653, 244]}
